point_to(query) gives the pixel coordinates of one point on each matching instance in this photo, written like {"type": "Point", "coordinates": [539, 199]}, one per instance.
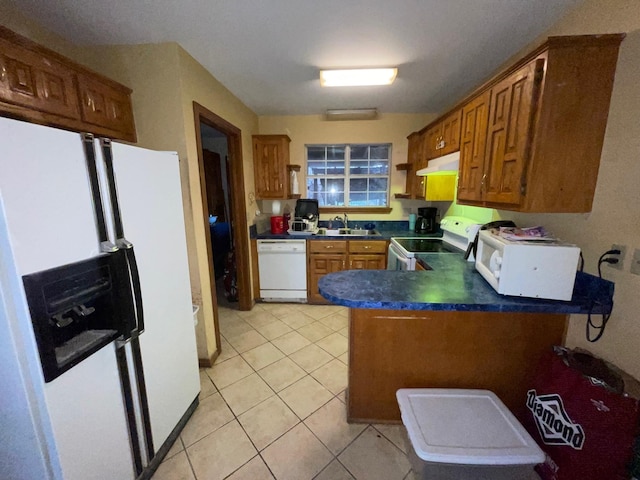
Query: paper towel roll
{"type": "Point", "coordinates": [275, 207]}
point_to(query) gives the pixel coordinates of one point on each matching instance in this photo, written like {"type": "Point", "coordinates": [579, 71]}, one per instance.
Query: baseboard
{"type": "Point", "coordinates": [208, 362]}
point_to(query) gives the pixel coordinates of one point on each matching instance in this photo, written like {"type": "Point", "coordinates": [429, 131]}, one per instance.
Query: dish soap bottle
{"type": "Point", "coordinates": [286, 217]}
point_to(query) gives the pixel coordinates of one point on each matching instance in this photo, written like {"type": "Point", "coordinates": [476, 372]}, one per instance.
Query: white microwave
{"type": "Point", "coordinates": [534, 269]}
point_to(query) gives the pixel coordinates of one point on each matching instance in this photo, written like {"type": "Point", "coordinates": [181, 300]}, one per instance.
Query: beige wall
{"type": "Point", "coordinates": [313, 129]}
{"type": "Point", "coordinates": [615, 217]}
{"type": "Point", "coordinates": [196, 84]}
{"type": "Point", "coordinates": [22, 25]}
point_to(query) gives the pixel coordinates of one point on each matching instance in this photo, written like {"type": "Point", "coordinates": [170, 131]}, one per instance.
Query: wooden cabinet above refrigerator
{"type": "Point", "coordinates": [41, 86]}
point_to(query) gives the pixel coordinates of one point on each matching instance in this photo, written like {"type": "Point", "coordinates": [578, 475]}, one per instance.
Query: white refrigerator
{"type": "Point", "coordinates": [111, 411]}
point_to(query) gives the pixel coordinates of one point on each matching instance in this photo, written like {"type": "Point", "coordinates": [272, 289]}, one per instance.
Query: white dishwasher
{"type": "Point", "coordinates": [283, 270]}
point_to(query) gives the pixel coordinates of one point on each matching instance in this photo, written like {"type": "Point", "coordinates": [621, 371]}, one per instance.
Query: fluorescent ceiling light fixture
{"type": "Point", "coordinates": [357, 77]}
{"type": "Point", "coordinates": [352, 114]}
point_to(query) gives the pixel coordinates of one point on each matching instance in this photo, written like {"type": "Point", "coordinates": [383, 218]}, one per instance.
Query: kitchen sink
{"type": "Point", "coordinates": [346, 232]}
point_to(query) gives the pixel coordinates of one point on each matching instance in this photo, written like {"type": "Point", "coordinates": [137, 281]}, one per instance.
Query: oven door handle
{"type": "Point", "coordinates": [396, 260]}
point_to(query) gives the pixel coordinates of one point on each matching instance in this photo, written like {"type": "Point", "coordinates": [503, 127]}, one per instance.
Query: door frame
{"type": "Point", "coordinates": [238, 207]}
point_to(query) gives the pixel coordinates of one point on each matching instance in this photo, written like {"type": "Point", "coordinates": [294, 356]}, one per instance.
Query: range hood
{"type": "Point", "coordinates": [447, 165]}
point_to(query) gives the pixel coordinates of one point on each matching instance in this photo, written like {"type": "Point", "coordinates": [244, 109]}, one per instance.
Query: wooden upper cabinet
{"type": "Point", "coordinates": [270, 160]}
{"type": "Point", "coordinates": [472, 147]}
{"type": "Point", "coordinates": [546, 120]}
{"type": "Point", "coordinates": [450, 141]}
{"type": "Point", "coordinates": [106, 105]}
{"type": "Point", "coordinates": [41, 86]}
{"type": "Point", "coordinates": [30, 80]}
{"type": "Point", "coordinates": [443, 137]}
{"type": "Point", "coordinates": [416, 155]}
{"type": "Point", "coordinates": [508, 134]}
{"type": "Point", "coordinates": [432, 138]}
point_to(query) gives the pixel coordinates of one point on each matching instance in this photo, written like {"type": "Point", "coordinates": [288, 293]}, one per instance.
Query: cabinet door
{"type": "Point", "coordinates": [509, 132]}
{"type": "Point", "coordinates": [270, 158]}
{"type": "Point", "coordinates": [105, 106]}
{"type": "Point", "coordinates": [32, 80]}
{"type": "Point", "coordinates": [367, 262]}
{"type": "Point", "coordinates": [417, 191]}
{"type": "Point", "coordinates": [472, 147]}
{"type": "Point", "coordinates": [414, 152]}
{"type": "Point", "coordinates": [451, 133]}
{"type": "Point", "coordinates": [433, 137]}
{"type": "Point", "coordinates": [318, 266]}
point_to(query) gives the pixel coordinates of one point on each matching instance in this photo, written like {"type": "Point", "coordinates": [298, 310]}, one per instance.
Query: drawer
{"type": "Point", "coordinates": [367, 246]}
{"type": "Point", "coordinates": [327, 246]}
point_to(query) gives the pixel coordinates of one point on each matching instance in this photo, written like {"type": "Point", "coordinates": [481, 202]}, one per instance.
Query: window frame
{"type": "Point", "coordinates": [347, 176]}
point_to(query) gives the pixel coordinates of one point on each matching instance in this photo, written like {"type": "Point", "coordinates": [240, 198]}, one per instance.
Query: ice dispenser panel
{"type": "Point", "coordinates": [77, 309]}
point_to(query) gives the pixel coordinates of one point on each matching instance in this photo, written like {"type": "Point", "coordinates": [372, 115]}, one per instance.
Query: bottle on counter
{"type": "Point", "coordinates": [286, 218]}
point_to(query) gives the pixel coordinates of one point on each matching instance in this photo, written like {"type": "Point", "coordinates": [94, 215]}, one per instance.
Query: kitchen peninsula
{"type": "Point", "coordinates": [446, 328]}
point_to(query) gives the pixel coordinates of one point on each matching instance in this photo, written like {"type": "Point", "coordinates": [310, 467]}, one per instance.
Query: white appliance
{"type": "Point", "coordinates": [457, 233]}
{"type": "Point", "coordinates": [283, 270]}
{"type": "Point", "coordinates": [534, 268]}
{"type": "Point", "coordinates": [81, 410]}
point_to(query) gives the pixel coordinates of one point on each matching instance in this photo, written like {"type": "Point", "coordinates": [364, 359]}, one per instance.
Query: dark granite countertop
{"type": "Point", "coordinates": [453, 284]}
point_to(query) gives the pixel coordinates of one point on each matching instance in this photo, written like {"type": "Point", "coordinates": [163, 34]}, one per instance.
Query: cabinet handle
{"type": "Point", "coordinates": [328, 246]}
{"type": "Point", "coordinates": [344, 264]}
{"type": "Point", "coordinates": [367, 247]}
{"type": "Point", "coordinates": [484, 177]}
{"type": "Point", "coordinates": [3, 73]}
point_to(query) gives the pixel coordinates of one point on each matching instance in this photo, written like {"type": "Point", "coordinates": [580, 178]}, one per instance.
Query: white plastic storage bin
{"type": "Point", "coordinates": [465, 435]}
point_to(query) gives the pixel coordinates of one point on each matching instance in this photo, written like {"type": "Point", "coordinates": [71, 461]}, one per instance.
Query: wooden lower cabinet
{"type": "Point", "coordinates": [393, 349]}
{"type": "Point", "coordinates": [329, 256]}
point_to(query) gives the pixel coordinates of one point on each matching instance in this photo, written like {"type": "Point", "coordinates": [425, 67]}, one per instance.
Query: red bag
{"type": "Point", "coordinates": [586, 430]}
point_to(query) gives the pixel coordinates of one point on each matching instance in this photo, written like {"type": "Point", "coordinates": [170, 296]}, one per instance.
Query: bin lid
{"type": "Point", "coordinates": [471, 427]}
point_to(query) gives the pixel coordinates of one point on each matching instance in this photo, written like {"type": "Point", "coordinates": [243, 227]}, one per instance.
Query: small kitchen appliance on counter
{"type": "Point", "coordinates": [535, 268]}
{"type": "Point", "coordinates": [458, 232]}
{"type": "Point", "coordinates": [426, 221]}
{"type": "Point", "coordinates": [305, 217]}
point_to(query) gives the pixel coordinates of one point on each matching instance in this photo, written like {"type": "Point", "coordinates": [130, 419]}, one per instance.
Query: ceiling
{"type": "Point", "coordinates": [268, 52]}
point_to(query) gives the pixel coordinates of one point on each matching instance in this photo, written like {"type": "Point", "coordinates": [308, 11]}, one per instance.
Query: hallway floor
{"type": "Point", "coordinates": [273, 405]}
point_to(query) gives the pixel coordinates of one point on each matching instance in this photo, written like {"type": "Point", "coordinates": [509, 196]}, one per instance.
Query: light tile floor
{"type": "Point", "coordinates": [273, 405]}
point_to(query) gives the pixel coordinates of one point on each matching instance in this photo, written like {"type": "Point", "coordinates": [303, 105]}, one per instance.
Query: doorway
{"type": "Point", "coordinates": [219, 145]}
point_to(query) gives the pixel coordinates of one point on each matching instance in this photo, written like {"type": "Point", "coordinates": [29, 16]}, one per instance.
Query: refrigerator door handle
{"type": "Point", "coordinates": [137, 291]}
{"type": "Point", "coordinates": [90, 154]}
{"type": "Point", "coordinates": [134, 276]}
{"type": "Point", "coordinates": [121, 241]}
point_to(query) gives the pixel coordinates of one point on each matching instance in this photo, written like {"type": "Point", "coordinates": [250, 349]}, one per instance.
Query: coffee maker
{"type": "Point", "coordinates": [426, 221]}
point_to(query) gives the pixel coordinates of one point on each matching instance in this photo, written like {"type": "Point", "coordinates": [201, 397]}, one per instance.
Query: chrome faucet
{"type": "Point", "coordinates": [344, 220]}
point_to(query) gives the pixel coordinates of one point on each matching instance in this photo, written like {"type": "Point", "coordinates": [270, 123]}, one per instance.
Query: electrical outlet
{"type": "Point", "coordinates": [635, 263]}
{"type": "Point", "coordinates": [623, 251]}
